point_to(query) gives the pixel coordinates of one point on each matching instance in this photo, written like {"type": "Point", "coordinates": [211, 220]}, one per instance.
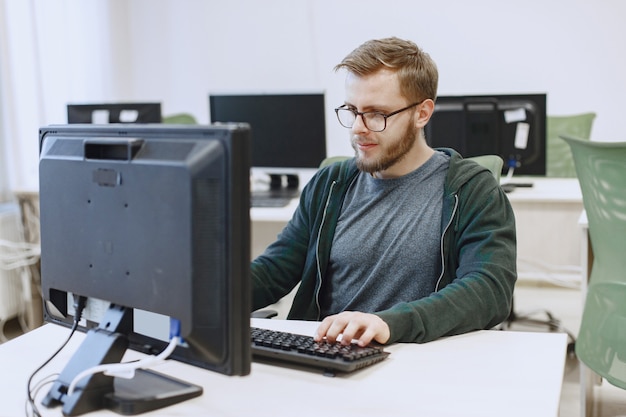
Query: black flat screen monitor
{"type": "Point", "coordinates": [153, 220]}
{"type": "Point", "coordinates": [510, 125]}
{"type": "Point", "coordinates": [105, 113]}
{"type": "Point", "coordinates": [288, 130]}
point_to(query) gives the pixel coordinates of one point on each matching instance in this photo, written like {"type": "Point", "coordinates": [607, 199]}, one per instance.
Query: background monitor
{"type": "Point", "coordinates": [288, 130]}
{"type": "Point", "coordinates": [510, 125]}
{"type": "Point", "coordinates": [153, 219]}
{"type": "Point", "coordinates": [104, 113]}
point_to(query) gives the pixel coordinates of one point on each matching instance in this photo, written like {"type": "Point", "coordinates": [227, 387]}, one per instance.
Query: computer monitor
{"type": "Point", "coordinates": [288, 131]}
{"type": "Point", "coordinates": [153, 220]}
{"type": "Point", "coordinates": [105, 113]}
{"type": "Point", "coordinates": [510, 125]}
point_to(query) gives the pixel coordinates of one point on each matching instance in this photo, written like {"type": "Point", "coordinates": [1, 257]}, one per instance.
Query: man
{"type": "Point", "coordinates": [403, 243]}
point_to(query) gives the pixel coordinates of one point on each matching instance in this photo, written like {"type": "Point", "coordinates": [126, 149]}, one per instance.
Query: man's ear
{"type": "Point", "coordinates": [425, 111]}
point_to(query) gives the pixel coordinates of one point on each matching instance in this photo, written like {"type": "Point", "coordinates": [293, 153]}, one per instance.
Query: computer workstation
{"type": "Point", "coordinates": [288, 139]}
{"type": "Point", "coordinates": [154, 224]}
{"type": "Point", "coordinates": [134, 147]}
{"type": "Point", "coordinates": [108, 166]}
{"type": "Point", "coordinates": [106, 113]}
{"type": "Point", "coordinates": [512, 126]}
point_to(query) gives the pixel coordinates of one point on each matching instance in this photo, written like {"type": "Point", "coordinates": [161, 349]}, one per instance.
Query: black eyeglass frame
{"type": "Point", "coordinates": [358, 113]}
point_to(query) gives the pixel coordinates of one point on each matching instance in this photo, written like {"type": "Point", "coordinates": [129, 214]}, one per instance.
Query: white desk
{"type": "Point", "coordinates": [487, 373]}
{"type": "Point", "coordinates": [548, 243]}
{"type": "Point", "coordinates": [267, 223]}
{"type": "Point", "coordinates": [547, 190]}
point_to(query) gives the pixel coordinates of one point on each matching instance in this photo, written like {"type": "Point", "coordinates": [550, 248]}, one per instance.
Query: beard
{"type": "Point", "coordinates": [393, 153]}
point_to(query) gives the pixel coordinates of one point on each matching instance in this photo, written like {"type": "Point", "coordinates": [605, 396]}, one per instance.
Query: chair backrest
{"type": "Point", "coordinates": [601, 342]}
{"type": "Point", "coordinates": [180, 119]}
{"type": "Point", "coordinates": [559, 161]}
{"type": "Point", "coordinates": [332, 159]}
{"type": "Point", "coordinates": [492, 162]}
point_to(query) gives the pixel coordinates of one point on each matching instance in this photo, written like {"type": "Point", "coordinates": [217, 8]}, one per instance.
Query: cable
{"type": "Point", "coordinates": [125, 370]}
{"type": "Point", "coordinates": [79, 305]}
{"type": "Point", "coordinates": [509, 176]}
{"type": "Point", "coordinates": [18, 254]}
{"type": "Point", "coordinates": [35, 390]}
{"type": "Point", "coordinates": [20, 259]}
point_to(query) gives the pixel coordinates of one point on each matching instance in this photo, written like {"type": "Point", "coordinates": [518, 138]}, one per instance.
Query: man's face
{"type": "Point", "coordinates": [378, 151]}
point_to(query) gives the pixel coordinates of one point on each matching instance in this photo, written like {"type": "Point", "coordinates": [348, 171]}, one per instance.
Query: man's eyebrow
{"type": "Point", "coordinates": [371, 108]}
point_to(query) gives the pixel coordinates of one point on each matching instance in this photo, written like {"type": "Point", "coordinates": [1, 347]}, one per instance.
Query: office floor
{"type": "Point", "coordinates": [564, 304]}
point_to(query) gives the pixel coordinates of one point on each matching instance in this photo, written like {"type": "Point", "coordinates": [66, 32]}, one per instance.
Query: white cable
{"type": "Point", "coordinates": [20, 258]}
{"type": "Point", "coordinates": [29, 247]}
{"type": "Point", "coordinates": [18, 254]}
{"type": "Point", "coordinates": [509, 176]}
{"type": "Point", "coordinates": [125, 370]}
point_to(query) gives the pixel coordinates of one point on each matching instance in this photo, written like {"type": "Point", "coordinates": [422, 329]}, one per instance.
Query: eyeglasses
{"type": "Point", "coordinates": [373, 120]}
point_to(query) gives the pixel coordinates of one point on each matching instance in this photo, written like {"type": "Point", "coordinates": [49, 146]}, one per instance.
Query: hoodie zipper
{"type": "Point", "coordinates": [445, 231]}
{"type": "Point", "coordinates": [317, 251]}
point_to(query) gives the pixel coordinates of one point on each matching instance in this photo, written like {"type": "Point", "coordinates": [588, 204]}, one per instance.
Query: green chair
{"type": "Point", "coordinates": [559, 161]}
{"type": "Point", "coordinates": [601, 170]}
{"type": "Point", "coordinates": [179, 119]}
{"type": "Point", "coordinates": [492, 162]}
{"type": "Point", "coordinates": [333, 159]}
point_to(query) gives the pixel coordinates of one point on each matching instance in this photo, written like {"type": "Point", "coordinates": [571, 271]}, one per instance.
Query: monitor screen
{"type": "Point", "coordinates": [510, 125]}
{"type": "Point", "coordinates": [288, 130]}
{"type": "Point", "coordinates": [105, 113]}
{"type": "Point", "coordinates": [152, 220]}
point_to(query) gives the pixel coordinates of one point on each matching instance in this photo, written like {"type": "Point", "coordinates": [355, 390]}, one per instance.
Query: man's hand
{"type": "Point", "coordinates": [353, 325]}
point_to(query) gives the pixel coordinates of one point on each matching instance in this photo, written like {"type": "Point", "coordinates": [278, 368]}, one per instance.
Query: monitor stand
{"type": "Point", "coordinates": [284, 182]}
{"type": "Point", "coordinates": [147, 390]}
{"type": "Point", "coordinates": [282, 186]}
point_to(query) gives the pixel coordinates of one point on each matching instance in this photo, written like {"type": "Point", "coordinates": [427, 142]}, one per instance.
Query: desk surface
{"type": "Point", "coordinates": [543, 190]}
{"type": "Point", "coordinates": [486, 373]}
{"type": "Point", "coordinates": [546, 190]}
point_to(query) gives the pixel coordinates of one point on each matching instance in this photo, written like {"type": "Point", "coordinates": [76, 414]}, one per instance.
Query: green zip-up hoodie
{"type": "Point", "coordinates": [478, 244]}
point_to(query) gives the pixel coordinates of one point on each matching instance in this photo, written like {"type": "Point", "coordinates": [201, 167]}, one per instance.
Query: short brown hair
{"type": "Point", "coordinates": [417, 72]}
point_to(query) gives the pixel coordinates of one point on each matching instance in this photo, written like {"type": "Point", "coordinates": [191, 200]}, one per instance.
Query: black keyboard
{"type": "Point", "coordinates": [277, 346]}
{"type": "Point", "coordinates": [266, 201]}
{"type": "Point", "coordinates": [273, 198]}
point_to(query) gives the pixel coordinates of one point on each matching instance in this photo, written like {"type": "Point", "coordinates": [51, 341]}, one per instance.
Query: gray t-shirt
{"type": "Point", "coordinates": [386, 247]}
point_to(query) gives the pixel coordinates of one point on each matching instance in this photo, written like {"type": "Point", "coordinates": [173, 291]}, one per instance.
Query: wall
{"type": "Point", "coordinates": [565, 48]}
{"type": "Point", "coordinates": [178, 51]}
{"type": "Point", "coordinates": [52, 52]}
